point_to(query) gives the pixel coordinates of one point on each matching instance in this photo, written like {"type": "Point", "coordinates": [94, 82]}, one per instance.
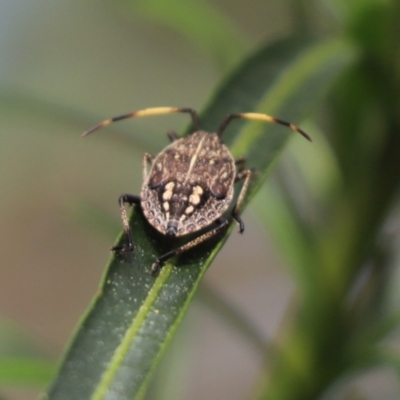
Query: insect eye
{"type": "Point", "coordinates": [218, 190]}
{"type": "Point", "coordinates": [155, 180]}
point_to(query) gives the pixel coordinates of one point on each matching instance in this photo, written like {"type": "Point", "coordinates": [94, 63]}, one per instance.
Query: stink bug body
{"type": "Point", "coordinates": [190, 184]}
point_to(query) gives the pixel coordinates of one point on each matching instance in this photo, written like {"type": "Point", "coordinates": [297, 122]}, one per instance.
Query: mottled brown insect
{"type": "Point", "coordinates": [190, 184]}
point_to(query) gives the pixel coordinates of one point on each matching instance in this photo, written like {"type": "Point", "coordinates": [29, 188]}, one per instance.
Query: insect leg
{"type": "Point", "coordinates": [130, 199]}
{"type": "Point", "coordinates": [147, 159]}
{"type": "Point", "coordinates": [246, 175]}
{"type": "Point", "coordinates": [240, 163]}
{"type": "Point", "coordinates": [155, 268]}
{"type": "Point", "coordinates": [172, 135]}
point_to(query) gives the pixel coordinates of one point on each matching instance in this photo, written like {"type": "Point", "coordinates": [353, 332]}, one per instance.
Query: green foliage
{"type": "Point", "coordinates": [348, 254]}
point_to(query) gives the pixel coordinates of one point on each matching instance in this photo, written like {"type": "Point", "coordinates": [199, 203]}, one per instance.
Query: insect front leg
{"type": "Point", "coordinates": [172, 136]}
{"type": "Point", "coordinates": [130, 199]}
{"type": "Point", "coordinates": [240, 163]}
{"type": "Point", "coordinates": [246, 175]}
{"type": "Point", "coordinates": [147, 160]}
{"type": "Point", "coordinates": [155, 268]}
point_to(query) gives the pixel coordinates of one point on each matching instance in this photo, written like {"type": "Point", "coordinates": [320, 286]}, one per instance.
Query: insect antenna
{"type": "Point", "coordinates": [147, 112]}
{"type": "Point", "coordinates": [260, 117]}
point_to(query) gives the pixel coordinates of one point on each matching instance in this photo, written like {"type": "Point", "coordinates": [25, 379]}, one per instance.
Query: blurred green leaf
{"type": "Point", "coordinates": [236, 320]}
{"type": "Point", "coordinates": [340, 319]}
{"type": "Point", "coordinates": [220, 39]}
{"type": "Point", "coordinates": [389, 358]}
{"type": "Point", "coordinates": [14, 342]}
{"type": "Point", "coordinates": [14, 100]}
{"type": "Point", "coordinates": [26, 371]}
{"type": "Point", "coordinates": [124, 333]}
{"type": "Point", "coordinates": [288, 205]}
{"type": "Point", "coordinates": [378, 331]}
{"type": "Point", "coordinates": [22, 360]}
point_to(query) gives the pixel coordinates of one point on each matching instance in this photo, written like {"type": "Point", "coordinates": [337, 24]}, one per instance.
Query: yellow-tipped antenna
{"type": "Point", "coordinates": [260, 117]}
{"type": "Point", "coordinates": [144, 113]}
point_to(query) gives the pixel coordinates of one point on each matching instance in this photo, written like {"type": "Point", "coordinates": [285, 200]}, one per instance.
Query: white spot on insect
{"type": "Point", "coordinates": [169, 187]}
{"type": "Point", "coordinates": [189, 210]}
{"type": "Point", "coordinates": [167, 195]}
{"type": "Point", "coordinates": [194, 199]}
{"type": "Point", "coordinates": [198, 190]}
{"type": "Point", "coordinates": [212, 162]}
{"type": "Point", "coordinates": [166, 205]}
{"type": "Point", "coordinates": [177, 156]}
{"type": "Point", "coordinates": [182, 218]}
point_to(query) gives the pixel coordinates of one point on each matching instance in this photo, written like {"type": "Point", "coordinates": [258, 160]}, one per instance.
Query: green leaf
{"type": "Point", "coordinates": [188, 17]}
{"type": "Point", "coordinates": [133, 317]}
{"type": "Point", "coordinates": [100, 222]}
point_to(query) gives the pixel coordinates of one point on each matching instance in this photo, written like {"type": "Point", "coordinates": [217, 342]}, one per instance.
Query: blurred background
{"type": "Point", "coordinates": [67, 65]}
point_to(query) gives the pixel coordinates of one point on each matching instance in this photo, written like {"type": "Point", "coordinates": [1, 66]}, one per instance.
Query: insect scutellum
{"type": "Point", "coordinates": [190, 183]}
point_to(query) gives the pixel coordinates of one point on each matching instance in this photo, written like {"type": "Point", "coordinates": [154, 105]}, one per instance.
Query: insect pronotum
{"type": "Point", "coordinates": [190, 183]}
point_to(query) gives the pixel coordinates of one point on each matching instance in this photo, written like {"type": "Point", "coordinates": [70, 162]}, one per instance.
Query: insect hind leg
{"type": "Point", "coordinates": [246, 175]}
{"type": "Point", "coordinates": [131, 200]}
{"type": "Point", "coordinates": [158, 264]}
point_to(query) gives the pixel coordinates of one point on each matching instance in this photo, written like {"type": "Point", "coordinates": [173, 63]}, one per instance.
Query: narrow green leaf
{"type": "Point", "coordinates": [100, 222]}
{"type": "Point", "coordinates": [120, 340]}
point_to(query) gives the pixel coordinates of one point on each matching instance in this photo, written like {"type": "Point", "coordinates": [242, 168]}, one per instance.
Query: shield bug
{"type": "Point", "coordinates": [190, 183]}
